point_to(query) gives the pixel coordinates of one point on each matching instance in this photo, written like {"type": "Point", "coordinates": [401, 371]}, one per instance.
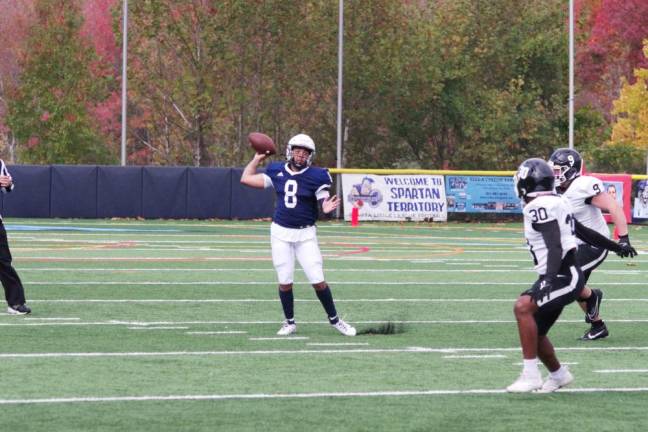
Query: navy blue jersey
{"type": "Point", "coordinates": [297, 193]}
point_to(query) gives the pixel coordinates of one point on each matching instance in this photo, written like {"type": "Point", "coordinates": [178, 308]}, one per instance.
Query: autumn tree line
{"type": "Point", "coordinates": [453, 84]}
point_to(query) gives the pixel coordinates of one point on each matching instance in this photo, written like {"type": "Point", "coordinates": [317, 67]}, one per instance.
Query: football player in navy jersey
{"type": "Point", "coordinates": [587, 198]}
{"type": "Point", "coordinates": [301, 189]}
{"type": "Point", "coordinates": [550, 230]}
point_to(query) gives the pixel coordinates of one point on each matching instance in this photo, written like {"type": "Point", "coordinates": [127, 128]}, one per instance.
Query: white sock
{"type": "Point", "coordinates": [530, 367]}
{"type": "Point", "coordinates": [558, 373]}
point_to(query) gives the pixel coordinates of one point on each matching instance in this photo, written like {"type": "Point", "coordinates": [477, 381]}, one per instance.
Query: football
{"type": "Point", "coordinates": [262, 143]}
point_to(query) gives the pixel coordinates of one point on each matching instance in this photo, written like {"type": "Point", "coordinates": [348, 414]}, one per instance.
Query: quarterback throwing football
{"type": "Point", "coordinates": [301, 188]}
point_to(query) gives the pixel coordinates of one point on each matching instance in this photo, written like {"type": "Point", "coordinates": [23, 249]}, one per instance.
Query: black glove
{"type": "Point", "coordinates": [626, 249]}
{"type": "Point", "coordinates": [542, 290]}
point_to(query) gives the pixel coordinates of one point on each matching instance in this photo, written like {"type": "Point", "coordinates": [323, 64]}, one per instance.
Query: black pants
{"type": "Point", "coordinates": [14, 292]}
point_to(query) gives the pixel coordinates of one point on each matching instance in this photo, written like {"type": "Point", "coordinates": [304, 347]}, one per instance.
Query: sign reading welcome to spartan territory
{"type": "Point", "coordinates": [395, 197]}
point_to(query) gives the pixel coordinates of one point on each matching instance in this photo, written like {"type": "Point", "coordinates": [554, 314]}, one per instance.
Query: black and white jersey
{"type": "Point", "coordinates": [544, 209]}
{"type": "Point", "coordinates": [579, 194]}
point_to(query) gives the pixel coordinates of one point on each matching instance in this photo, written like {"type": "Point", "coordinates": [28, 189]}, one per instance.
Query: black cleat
{"type": "Point", "coordinates": [598, 331]}
{"type": "Point", "coordinates": [593, 305]}
{"type": "Point", "coordinates": [18, 310]}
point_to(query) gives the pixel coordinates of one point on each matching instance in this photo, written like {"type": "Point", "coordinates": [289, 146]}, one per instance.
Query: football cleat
{"type": "Point", "coordinates": [18, 310]}
{"type": "Point", "coordinates": [287, 329]}
{"type": "Point", "coordinates": [593, 305]}
{"type": "Point", "coordinates": [344, 328]}
{"type": "Point", "coordinates": [525, 384]}
{"type": "Point", "coordinates": [597, 331]}
{"type": "Point", "coordinates": [552, 384]}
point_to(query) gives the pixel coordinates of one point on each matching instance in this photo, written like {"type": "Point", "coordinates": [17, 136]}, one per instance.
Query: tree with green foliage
{"type": "Point", "coordinates": [48, 111]}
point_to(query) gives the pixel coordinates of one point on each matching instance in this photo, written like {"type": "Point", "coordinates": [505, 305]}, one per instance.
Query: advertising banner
{"type": "Point", "coordinates": [482, 194]}
{"type": "Point", "coordinates": [619, 186]}
{"type": "Point", "coordinates": [395, 197]}
{"type": "Point", "coordinates": [640, 209]}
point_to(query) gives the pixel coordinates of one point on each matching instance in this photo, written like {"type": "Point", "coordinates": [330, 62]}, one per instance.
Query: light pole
{"type": "Point", "coordinates": [339, 98]}
{"type": "Point", "coordinates": [124, 119]}
{"type": "Point", "coordinates": [571, 74]}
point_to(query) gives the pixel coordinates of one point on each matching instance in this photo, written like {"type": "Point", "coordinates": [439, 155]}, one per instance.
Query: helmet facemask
{"type": "Point", "coordinates": [293, 161]}
{"type": "Point", "coordinates": [560, 173]}
{"type": "Point", "coordinates": [304, 142]}
{"type": "Point", "coordinates": [567, 164]}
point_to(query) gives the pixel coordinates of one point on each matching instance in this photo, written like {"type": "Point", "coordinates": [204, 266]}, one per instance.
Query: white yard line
{"type": "Point", "coordinates": [337, 344]}
{"type": "Point", "coordinates": [364, 282]}
{"type": "Point", "coordinates": [408, 350]}
{"type": "Point", "coordinates": [50, 319]}
{"type": "Point", "coordinates": [215, 332]}
{"type": "Point", "coordinates": [158, 328]}
{"type": "Point", "coordinates": [281, 338]}
{"type": "Point", "coordinates": [266, 257]}
{"type": "Point", "coordinates": [22, 323]}
{"type": "Point", "coordinates": [271, 270]}
{"type": "Point", "coordinates": [390, 393]}
{"type": "Point", "coordinates": [541, 365]}
{"type": "Point", "coordinates": [363, 300]}
{"type": "Point", "coordinates": [474, 356]}
{"type": "Point", "coordinates": [609, 371]}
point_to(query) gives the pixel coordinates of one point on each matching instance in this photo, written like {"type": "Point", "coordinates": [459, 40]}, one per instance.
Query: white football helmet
{"type": "Point", "coordinates": [303, 141]}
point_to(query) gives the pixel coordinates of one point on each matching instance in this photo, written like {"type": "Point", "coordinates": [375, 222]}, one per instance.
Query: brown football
{"type": "Point", "coordinates": [262, 143]}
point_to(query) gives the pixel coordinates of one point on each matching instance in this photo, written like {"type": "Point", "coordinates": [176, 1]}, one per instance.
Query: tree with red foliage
{"type": "Point", "coordinates": [611, 49]}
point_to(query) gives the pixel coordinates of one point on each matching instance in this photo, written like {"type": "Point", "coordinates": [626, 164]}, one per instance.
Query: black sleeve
{"type": "Point", "coordinates": [594, 238]}
{"type": "Point", "coordinates": [551, 235]}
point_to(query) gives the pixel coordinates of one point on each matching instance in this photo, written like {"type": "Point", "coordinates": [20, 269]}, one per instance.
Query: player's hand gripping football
{"type": "Point", "coordinates": [626, 249]}
{"type": "Point", "coordinates": [260, 157]}
{"type": "Point", "coordinates": [330, 204]}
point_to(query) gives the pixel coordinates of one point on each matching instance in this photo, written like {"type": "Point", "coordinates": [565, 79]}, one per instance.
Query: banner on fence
{"type": "Point", "coordinates": [482, 194]}
{"type": "Point", "coordinates": [619, 187]}
{"type": "Point", "coordinates": [640, 209]}
{"type": "Point", "coordinates": [395, 197]}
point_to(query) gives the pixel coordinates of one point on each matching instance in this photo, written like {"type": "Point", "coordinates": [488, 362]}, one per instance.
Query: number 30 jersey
{"type": "Point", "coordinates": [297, 193]}
{"type": "Point", "coordinates": [545, 209]}
{"type": "Point", "coordinates": [579, 194]}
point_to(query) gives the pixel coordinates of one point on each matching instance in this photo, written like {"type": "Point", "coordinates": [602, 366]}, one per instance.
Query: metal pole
{"type": "Point", "coordinates": [339, 98]}
{"type": "Point", "coordinates": [124, 119]}
{"type": "Point", "coordinates": [571, 74]}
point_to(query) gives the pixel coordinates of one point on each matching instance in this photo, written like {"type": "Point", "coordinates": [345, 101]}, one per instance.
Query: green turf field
{"type": "Point", "coordinates": [170, 326]}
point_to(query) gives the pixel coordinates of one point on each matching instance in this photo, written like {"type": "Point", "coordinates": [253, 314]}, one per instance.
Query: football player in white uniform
{"type": "Point", "coordinates": [301, 189]}
{"type": "Point", "coordinates": [587, 198]}
{"type": "Point", "coordinates": [550, 231]}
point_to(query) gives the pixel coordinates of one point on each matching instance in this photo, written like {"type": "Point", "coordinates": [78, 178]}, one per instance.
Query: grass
{"type": "Point", "coordinates": [170, 325]}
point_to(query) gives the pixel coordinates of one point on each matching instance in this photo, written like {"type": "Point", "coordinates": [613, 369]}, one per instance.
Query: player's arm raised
{"type": "Point", "coordinates": [250, 177]}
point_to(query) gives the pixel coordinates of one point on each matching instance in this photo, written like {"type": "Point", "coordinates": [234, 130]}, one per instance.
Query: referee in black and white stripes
{"type": "Point", "coordinates": [13, 288]}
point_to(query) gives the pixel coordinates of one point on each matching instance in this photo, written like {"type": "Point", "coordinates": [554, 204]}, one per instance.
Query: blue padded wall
{"type": "Point", "coordinates": [208, 193]}
{"type": "Point", "coordinates": [164, 192]}
{"type": "Point", "coordinates": [250, 203]}
{"type": "Point", "coordinates": [119, 191]}
{"type": "Point", "coordinates": [31, 194]}
{"type": "Point", "coordinates": [74, 191]}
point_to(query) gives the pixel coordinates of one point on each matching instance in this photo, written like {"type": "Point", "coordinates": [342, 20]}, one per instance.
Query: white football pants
{"type": "Point", "coordinates": [307, 253]}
